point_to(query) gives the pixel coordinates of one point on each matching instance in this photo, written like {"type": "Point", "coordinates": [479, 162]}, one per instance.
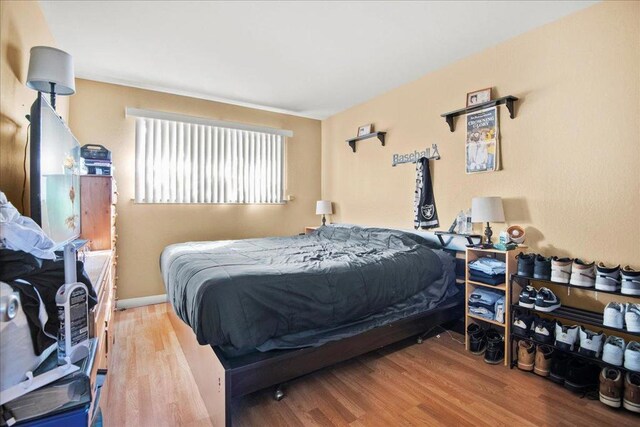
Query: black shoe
{"type": "Point", "coordinates": [495, 347]}
{"type": "Point", "coordinates": [546, 300]}
{"type": "Point", "coordinates": [582, 376]}
{"type": "Point", "coordinates": [523, 323]}
{"type": "Point", "coordinates": [477, 339]}
{"type": "Point", "coordinates": [528, 297]}
{"type": "Point", "coordinates": [542, 268]}
{"type": "Point", "coordinates": [525, 264]}
{"type": "Point", "coordinates": [544, 331]}
{"type": "Point", "coordinates": [559, 367]}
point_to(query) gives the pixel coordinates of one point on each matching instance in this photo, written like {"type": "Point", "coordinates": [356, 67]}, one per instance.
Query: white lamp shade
{"type": "Point", "coordinates": [323, 207]}
{"type": "Point", "coordinates": [50, 65]}
{"type": "Point", "coordinates": [487, 209]}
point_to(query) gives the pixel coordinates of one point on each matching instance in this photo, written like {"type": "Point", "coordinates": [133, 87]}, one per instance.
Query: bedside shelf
{"type": "Point", "coordinates": [379, 135]}
{"type": "Point", "coordinates": [506, 100]}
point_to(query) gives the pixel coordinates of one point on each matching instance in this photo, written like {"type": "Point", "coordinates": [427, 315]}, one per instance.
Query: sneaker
{"type": "Point", "coordinates": [611, 387]}
{"type": "Point", "coordinates": [613, 351]}
{"type": "Point", "coordinates": [631, 399]}
{"type": "Point", "coordinates": [542, 268]}
{"type": "Point", "coordinates": [523, 323]}
{"type": "Point", "coordinates": [543, 360]}
{"type": "Point", "coordinates": [632, 356]}
{"type": "Point", "coordinates": [566, 336]}
{"type": "Point", "coordinates": [528, 297]}
{"type": "Point", "coordinates": [607, 278]}
{"type": "Point", "coordinates": [495, 347]}
{"type": "Point", "coordinates": [546, 300]}
{"type": "Point", "coordinates": [525, 264]}
{"type": "Point", "coordinates": [583, 274]}
{"type": "Point", "coordinates": [630, 283]}
{"type": "Point", "coordinates": [590, 342]}
{"type": "Point", "coordinates": [582, 376]}
{"type": "Point", "coordinates": [543, 330]}
{"type": "Point", "coordinates": [632, 317]}
{"type": "Point", "coordinates": [558, 370]}
{"type": "Point", "coordinates": [561, 269]}
{"type": "Point", "coordinates": [477, 339]}
{"type": "Point", "coordinates": [526, 355]}
{"type": "Point", "coordinates": [614, 315]}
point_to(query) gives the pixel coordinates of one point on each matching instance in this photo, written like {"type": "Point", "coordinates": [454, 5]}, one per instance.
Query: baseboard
{"type": "Point", "coordinates": [142, 301]}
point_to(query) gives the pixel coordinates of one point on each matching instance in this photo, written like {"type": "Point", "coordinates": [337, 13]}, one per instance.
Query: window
{"type": "Point", "coordinates": [181, 159]}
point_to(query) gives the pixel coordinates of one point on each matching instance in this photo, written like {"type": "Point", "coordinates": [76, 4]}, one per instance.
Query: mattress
{"type": "Point", "coordinates": [241, 294]}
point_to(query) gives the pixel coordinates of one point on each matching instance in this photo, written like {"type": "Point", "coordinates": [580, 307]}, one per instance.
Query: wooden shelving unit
{"type": "Point", "coordinates": [509, 258]}
{"type": "Point", "coordinates": [505, 100]}
{"type": "Point", "coordinates": [379, 135]}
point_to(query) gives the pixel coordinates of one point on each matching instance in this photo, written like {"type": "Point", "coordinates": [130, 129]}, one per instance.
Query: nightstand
{"type": "Point", "coordinates": [309, 230]}
{"type": "Point", "coordinates": [504, 327]}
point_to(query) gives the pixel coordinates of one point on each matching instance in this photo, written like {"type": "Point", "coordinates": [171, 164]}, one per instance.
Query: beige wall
{"type": "Point", "coordinates": [571, 157]}
{"type": "Point", "coordinates": [98, 116]}
{"type": "Point", "coordinates": [22, 26]}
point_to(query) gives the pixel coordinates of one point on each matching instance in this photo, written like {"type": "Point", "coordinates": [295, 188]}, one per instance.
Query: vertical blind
{"type": "Point", "coordinates": [179, 162]}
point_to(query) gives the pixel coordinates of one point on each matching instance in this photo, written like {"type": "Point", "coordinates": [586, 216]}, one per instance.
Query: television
{"type": "Point", "coordinates": [55, 174]}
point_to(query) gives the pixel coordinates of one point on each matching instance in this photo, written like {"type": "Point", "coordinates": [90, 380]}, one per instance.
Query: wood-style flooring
{"type": "Point", "coordinates": [428, 384]}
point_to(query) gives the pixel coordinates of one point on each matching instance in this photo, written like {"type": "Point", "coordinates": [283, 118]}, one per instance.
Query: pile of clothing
{"type": "Point", "coordinates": [487, 270]}
{"type": "Point", "coordinates": [488, 304]}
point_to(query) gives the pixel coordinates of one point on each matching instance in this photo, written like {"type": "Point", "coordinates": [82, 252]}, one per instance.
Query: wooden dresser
{"type": "Point", "coordinates": [98, 195]}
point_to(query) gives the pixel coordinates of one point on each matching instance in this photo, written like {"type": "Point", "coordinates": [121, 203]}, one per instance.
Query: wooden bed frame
{"type": "Point", "coordinates": [220, 379]}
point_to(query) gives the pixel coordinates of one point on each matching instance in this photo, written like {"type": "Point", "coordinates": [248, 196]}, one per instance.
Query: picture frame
{"type": "Point", "coordinates": [365, 129]}
{"type": "Point", "coordinates": [478, 97]}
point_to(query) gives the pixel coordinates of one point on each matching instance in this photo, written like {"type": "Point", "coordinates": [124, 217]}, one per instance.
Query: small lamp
{"type": "Point", "coordinates": [323, 207]}
{"type": "Point", "coordinates": [51, 71]}
{"type": "Point", "coordinates": [487, 209]}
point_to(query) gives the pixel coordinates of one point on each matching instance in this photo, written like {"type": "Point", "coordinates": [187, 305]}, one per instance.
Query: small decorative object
{"type": "Point", "coordinates": [365, 129]}
{"type": "Point", "coordinates": [323, 207]}
{"type": "Point", "coordinates": [478, 97]}
{"type": "Point", "coordinates": [516, 234]}
{"type": "Point", "coordinates": [482, 141]}
{"type": "Point", "coordinates": [487, 209]}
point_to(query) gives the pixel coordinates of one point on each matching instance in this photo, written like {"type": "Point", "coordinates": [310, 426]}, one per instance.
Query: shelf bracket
{"type": "Point", "coordinates": [352, 144]}
{"type": "Point", "coordinates": [449, 120]}
{"type": "Point", "coordinates": [380, 137]}
{"type": "Point", "coordinates": [509, 104]}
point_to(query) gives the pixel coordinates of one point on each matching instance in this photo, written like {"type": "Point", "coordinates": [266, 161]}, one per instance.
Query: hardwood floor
{"type": "Point", "coordinates": [434, 383]}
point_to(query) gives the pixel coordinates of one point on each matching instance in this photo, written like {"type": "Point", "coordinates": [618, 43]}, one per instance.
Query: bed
{"type": "Point", "coordinates": [274, 309]}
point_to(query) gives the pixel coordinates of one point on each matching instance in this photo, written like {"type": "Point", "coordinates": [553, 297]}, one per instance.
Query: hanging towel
{"type": "Point", "coordinates": [424, 207]}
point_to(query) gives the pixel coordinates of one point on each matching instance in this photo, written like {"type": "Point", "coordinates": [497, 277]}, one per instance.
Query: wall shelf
{"type": "Point", "coordinates": [379, 135]}
{"type": "Point", "coordinates": [505, 100]}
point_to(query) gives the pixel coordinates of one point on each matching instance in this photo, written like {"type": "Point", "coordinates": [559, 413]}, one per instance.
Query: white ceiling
{"type": "Point", "coordinates": [310, 59]}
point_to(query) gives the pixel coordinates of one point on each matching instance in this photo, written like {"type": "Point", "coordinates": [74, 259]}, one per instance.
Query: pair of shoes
{"type": "Point", "coordinates": [534, 265]}
{"type": "Point", "coordinates": [542, 300]}
{"type": "Point", "coordinates": [612, 279]}
{"type": "Point", "coordinates": [488, 342]}
{"type": "Point", "coordinates": [630, 281]}
{"type": "Point", "coordinates": [539, 363]}
{"type": "Point", "coordinates": [611, 386]}
{"type": "Point", "coordinates": [589, 343]}
{"type": "Point", "coordinates": [617, 314]}
{"type": "Point", "coordinates": [581, 375]}
{"type": "Point", "coordinates": [615, 352]}
{"type": "Point", "coordinates": [533, 326]}
{"type": "Point", "coordinates": [573, 271]}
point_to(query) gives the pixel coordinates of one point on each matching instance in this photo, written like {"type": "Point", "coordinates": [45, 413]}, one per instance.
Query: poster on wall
{"type": "Point", "coordinates": [482, 141]}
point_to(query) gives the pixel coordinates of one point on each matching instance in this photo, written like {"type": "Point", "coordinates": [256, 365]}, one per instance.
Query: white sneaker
{"type": "Point", "coordinates": [632, 356]}
{"type": "Point", "coordinates": [583, 274]}
{"type": "Point", "coordinates": [630, 284]}
{"type": "Point", "coordinates": [566, 336]}
{"type": "Point", "coordinates": [561, 269]}
{"type": "Point", "coordinates": [590, 342]}
{"type": "Point", "coordinates": [632, 317]}
{"type": "Point", "coordinates": [607, 278]}
{"type": "Point", "coordinates": [613, 351]}
{"type": "Point", "coordinates": [614, 315]}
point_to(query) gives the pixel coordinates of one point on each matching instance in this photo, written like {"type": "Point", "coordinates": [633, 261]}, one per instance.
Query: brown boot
{"type": "Point", "coordinates": [632, 392]}
{"type": "Point", "coordinates": [525, 355]}
{"type": "Point", "coordinates": [543, 360]}
{"type": "Point", "coordinates": [611, 387]}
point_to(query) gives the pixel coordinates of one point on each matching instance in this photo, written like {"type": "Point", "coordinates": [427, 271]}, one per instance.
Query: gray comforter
{"type": "Point", "coordinates": [239, 294]}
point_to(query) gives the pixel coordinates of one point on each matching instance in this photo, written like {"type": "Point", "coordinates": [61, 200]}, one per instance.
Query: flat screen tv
{"type": "Point", "coordinates": [55, 174]}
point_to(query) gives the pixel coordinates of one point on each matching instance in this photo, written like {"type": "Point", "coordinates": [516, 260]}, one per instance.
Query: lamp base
{"type": "Point", "coordinates": [324, 220]}
{"type": "Point", "coordinates": [488, 233]}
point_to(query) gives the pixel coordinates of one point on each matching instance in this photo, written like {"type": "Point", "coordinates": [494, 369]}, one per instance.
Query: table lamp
{"type": "Point", "coordinates": [323, 207]}
{"type": "Point", "coordinates": [51, 71]}
{"type": "Point", "coordinates": [487, 209]}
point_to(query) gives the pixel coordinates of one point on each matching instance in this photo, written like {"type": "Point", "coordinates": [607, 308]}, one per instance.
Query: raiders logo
{"type": "Point", "coordinates": [427, 211]}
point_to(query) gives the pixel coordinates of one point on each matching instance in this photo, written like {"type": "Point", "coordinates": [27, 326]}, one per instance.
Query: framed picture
{"type": "Point", "coordinates": [478, 97]}
{"type": "Point", "coordinates": [365, 129]}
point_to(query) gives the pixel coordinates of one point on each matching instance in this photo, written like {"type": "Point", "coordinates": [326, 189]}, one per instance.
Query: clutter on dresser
{"type": "Point", "coordinates": [97, 159]}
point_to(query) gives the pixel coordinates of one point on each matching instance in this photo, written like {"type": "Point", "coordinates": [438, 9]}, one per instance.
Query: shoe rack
{"type": "Point", "coordinates": [509, 257]}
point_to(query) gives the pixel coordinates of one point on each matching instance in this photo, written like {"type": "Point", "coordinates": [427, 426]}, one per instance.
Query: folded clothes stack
{"type": "Point", "coordinates": [487, 304]}
{"type": "Point", "coordinates": [487, 270]}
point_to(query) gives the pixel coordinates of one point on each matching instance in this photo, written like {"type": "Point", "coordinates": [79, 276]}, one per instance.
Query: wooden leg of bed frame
{"type": "Point", "coordinates": [207, 371]}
